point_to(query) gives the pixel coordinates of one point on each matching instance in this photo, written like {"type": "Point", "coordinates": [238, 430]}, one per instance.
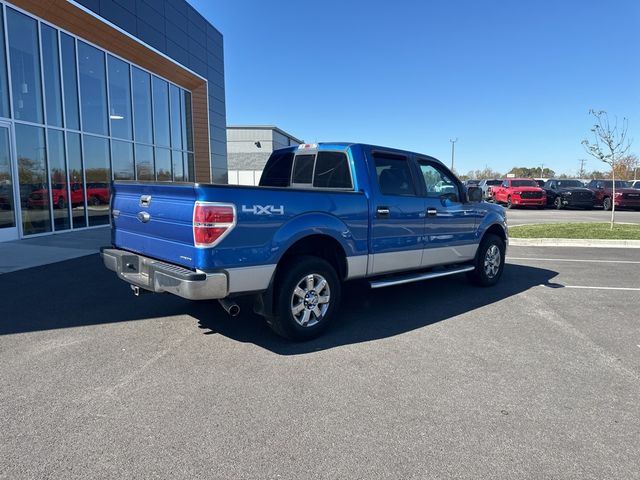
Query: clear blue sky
{"type": "Point", "coordinates": [512, 80]}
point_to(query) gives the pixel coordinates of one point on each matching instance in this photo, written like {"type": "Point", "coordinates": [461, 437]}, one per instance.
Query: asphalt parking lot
{"type": "Point", "coordinates": [535, 378]}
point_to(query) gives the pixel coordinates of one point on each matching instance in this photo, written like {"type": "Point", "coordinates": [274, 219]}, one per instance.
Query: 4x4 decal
{"type": "Point", "coordinates": [263, 209]}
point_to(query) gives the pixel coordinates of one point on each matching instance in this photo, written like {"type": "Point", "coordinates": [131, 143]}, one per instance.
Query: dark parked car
{"type": "Point", "coordinates": [635, 184]}
{"type": "Point", "coordinates": [486, 186]}
{"type": "Point", "coordinates": [625, 196]}
{"type": "Point", "coordinates": [568, 193]}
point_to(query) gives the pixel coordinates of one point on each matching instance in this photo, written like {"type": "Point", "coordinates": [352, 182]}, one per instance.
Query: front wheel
{"type": "Point", "coordinates": [557, 203]}
{"type": "Point", "coordinates": [606, 203]}
{"type": "Point", "coordinates": [489, 262]}
{"type": "Point", "coordinates": [307, 295]}
{"type": "Point", "coordinates": [509, 202]}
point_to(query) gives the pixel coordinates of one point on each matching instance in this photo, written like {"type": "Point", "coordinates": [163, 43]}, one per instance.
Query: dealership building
{"type": "Point", "coordinates": [249, 148]}
{"type": "Point", "coordinates": [97, 90]}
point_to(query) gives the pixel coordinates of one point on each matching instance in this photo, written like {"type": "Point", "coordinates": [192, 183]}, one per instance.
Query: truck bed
{"type": "Point", "coordinates": [156, 220]}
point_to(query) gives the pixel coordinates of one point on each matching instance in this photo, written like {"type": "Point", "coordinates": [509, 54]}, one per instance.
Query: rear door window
{"type": "Point", "coordinates": [394, 175]}
{"type": "Point", "coordinates": [332, 171]}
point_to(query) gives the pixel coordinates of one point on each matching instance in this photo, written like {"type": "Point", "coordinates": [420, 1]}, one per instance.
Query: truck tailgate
{"type": "Point", "coordinates": [155, 220]}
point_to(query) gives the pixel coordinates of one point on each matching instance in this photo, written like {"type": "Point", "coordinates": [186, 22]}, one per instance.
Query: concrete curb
{"type": "Point", "coordinates": [573, 242]}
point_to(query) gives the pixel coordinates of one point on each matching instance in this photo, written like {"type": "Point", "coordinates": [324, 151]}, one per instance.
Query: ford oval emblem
{"type": "Point", "coordinates": [144, 217]}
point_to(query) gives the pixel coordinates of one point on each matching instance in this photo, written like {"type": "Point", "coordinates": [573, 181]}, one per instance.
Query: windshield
{"type": "Point", "coordinates": [494, 182]}
{"type": "Point", "coordinates": [569, 183]}
{"type": "Point", "coordinates": [523, 183]}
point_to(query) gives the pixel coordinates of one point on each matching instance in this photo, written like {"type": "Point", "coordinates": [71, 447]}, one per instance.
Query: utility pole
{"type": "Point", "coordinates": [541, 169]}
{"type": "Point", "coordinates": [581, 171]}
{"type": "Point", "coordinates": [453, 151]}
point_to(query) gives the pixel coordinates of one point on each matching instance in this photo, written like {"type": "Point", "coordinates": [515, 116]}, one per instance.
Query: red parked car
{"type": "Point", "coordinates": [626, 197]}
{"type": "Point", "coordinates": [519, 192]}
{"type": "Point", "coordinates": [40, 198]}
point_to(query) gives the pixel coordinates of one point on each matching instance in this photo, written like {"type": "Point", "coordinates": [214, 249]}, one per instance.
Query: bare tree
{"type": "Point", "coordinates": [610, 144]}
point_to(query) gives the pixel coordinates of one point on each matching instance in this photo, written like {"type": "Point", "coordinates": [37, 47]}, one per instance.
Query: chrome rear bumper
{"type": "Point", "coordinates": [157, 276]}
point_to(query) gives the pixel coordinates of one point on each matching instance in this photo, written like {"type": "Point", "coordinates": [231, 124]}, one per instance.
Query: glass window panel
{"type": "Point", "coordinates": [144, 162]}
{"type": "Point", "coordinates": [278, 170]}
{"type": "Point", "coordinates": [303, 169]}
{"type": "Point", "coordinates": [141, 83]}
{"type": "Point", "coordinates": [332, 171]}
{"type": "Point", "coordinates": [4, 83]}
{"type": "Point", "coordinates": [178, 166]}
{"type": "Point", "coordinates": [51, 71]}
{"type": "Point", "coordinates": [189, 167]}
{"type": "Point", "coordinates": [58, 180]}
{"type": "Point", "coordinates": [163, 165]}
{"type": "Point", "coordinates": [187, 121]}
{"type": "Point", "coordinates": [76, 180]}
{"type": "Point", "coordinates": [161, 112]}
{"type": "Point", "coordinates": [176, 117]}
{"type": "Point", "coordinates": [32, 176]}
{"type": "Point", "coordinates": [7, 206]}
{"type": "Point", "coordinates": [119, 98]}
{"type": "Point", "coordinates": [93, 89]}
{"type": "Point", "coordinates": [122, 155]}
{"type": "Point", "coordinates": [24, 57]}
{"type": "Point", "coordinates": [394, 175]}
{"type": "Point", "coordinates": [70, 79]}
{"type": "Point", "coordinates": [98, 174]}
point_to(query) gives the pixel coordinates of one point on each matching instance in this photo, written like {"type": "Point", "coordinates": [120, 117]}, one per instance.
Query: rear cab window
{"type": "Point", "coordinates": [303, 170]}
{"type": "Point", "coordinates": [277, 172]}
{"type": "Point", "coordinates": [332, 171]}
{"type": "Point", "coordinates": [323, 169]}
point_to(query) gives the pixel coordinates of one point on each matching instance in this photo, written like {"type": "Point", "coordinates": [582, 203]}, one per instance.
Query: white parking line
{"type": "Point", "coordinates": [626, 289]}
{"type": "Point", "coordinates": [572, 260]}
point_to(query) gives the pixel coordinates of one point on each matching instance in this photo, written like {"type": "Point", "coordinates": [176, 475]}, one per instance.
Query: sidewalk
{"type": "Point", "coordinates": [33, 252]}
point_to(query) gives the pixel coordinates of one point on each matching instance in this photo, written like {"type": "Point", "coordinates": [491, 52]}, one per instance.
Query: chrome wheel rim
{"type": "Point", "coordinates": [492, 261]}
{"type": "Point", "coordinates": [310, 300]}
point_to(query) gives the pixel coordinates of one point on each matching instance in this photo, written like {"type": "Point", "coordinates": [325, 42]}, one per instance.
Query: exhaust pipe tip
{"type": "Point", "coordinates": [231, 307]}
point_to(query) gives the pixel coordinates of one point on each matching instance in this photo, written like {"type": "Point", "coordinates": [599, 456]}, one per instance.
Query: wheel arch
{"type": "Point", "coordinates": [319, 245]}
{"type": "Point", "coordinates": [496, 229]}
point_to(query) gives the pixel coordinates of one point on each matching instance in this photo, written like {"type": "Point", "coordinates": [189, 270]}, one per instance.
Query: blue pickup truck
{"type": "Point", "coordinates": [323, 214]}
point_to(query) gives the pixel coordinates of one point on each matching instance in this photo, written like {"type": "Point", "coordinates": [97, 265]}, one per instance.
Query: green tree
{"type": "Point", "coordinates": [609, 144]}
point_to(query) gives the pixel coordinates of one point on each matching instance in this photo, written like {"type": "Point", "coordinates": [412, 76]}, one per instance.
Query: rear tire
{"type": "Point", "coordinates": [307, 294]}
{"type": "Point", "coordinates": [489, 262]}
{"type": "Point", "coordinates": [606, 203]}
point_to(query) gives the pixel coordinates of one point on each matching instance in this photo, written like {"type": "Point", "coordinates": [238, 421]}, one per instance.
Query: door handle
{"type": "Point", "coordinates": [382, 211]}
{"type": "Point", "coordinates": [432, 212]}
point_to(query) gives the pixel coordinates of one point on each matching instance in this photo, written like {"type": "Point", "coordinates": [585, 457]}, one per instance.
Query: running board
{"type": "Point", "coordinates": [418, 277]}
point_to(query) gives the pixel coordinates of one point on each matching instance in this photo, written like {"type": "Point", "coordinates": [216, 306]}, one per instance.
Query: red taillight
{"type": "Point", "coordinates": [211, 222]}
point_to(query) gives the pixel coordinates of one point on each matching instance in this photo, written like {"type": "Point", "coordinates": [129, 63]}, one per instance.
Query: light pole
{"type": "Point", "coordinates": [541, 169]}
{"type": "Point", "coordinates": [453, 151]}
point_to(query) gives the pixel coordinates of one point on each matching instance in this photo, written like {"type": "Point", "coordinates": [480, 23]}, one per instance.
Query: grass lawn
{"type": "Point", "coordinates": [577, 230]}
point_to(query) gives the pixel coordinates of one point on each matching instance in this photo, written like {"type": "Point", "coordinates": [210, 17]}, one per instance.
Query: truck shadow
{"type": "Point", "coordinates": [367, 315]}
{"type": "Point", "coordinates": [81, 292]}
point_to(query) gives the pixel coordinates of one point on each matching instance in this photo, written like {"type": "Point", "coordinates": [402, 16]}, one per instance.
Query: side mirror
{"type": "Point", "coordinates": [474, 194]}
